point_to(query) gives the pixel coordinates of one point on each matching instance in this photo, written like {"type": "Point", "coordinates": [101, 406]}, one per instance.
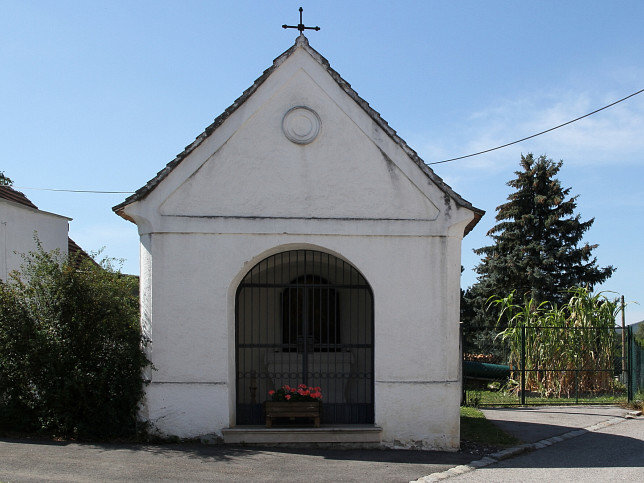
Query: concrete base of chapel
{"type": "Point", "coordinates": [354, 435]}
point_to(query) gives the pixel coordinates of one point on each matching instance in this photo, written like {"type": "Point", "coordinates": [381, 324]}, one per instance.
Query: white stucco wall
{"type": "Point", "coordinates": [417, 382]}
{"type": "Point", "coordinates": [247, 192]}
{"type": "Point", "coordinates": [18, 224]}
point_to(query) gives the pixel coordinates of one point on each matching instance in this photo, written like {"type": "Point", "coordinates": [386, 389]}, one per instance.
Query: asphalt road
{"type": "Point", "coordinates": [21, 460]}
{"type": "Point", "coordinates": [533, 424]}
{"type": "Point", "coordinates": [615, 453]}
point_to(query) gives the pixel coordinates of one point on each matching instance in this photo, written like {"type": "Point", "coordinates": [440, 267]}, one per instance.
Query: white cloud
{"type": "Point", "coordinates": [611, 137]}
{"type": "Point", "coordinates": [603, 157]}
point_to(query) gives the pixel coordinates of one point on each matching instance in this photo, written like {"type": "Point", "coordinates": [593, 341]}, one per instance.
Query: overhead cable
{"type": "Point", "coordinates": [73, 191]}
{"type": "Point", "coordinates": [539, 133]}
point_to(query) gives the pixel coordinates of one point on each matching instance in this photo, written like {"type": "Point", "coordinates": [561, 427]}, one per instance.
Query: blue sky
{"type": "Point", "coordinates": [101, 95]}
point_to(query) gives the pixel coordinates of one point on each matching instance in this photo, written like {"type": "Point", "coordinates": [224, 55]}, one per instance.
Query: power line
{"type": "Point", "coordinates": [73, 191]}
{"type": "Point", "coordinates": [539, 133]}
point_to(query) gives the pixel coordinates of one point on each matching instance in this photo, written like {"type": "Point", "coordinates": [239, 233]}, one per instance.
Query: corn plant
{"type": "Point", "coordinates": [568, 349]}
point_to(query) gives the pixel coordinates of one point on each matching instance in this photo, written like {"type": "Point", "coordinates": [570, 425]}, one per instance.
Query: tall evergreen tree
{"type": "Point", "coordinates": [538, 248]}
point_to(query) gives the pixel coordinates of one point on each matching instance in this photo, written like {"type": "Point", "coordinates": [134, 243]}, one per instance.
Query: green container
{"type": "Point", "coordinates": [483, 370]}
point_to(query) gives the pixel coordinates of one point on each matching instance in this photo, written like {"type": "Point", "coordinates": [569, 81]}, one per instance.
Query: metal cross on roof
{"type": "Point", "coordinates": [300, 26]}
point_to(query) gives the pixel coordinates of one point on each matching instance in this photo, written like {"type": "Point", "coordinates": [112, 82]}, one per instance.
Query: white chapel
{"type": "Point", "coordinates": [298, 239]}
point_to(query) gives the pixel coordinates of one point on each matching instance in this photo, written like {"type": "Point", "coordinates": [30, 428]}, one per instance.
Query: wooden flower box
{"type": "Point", "coordinates": [292, 410]}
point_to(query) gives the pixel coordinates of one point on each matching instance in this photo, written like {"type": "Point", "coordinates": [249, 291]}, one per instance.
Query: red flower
{"type": "Point", "coordinates": [301, 392]}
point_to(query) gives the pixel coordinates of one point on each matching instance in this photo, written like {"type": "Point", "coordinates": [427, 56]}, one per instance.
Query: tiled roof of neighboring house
{"type": "Point", "coordinates": [74, 250]}
{"type": "Point", "coordinates": [8, 193]}
{"type": "Point", "coordinates": [344, 85]}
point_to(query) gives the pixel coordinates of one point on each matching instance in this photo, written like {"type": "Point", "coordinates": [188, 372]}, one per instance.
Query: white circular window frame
{"type": "Point", "coordinates": [289, 126]}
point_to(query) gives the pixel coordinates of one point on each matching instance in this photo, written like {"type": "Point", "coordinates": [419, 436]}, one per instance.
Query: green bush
{"type": "Point", "coordinates": [71, 351]}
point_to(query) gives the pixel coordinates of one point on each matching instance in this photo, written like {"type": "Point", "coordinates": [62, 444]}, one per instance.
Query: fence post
{"type": "Point", "coordinates": [630, 382]}
{"type": "Point", "coordinates": [523, 365]}
{"type": "Point", "coordinates": [624, 376]}
{"type": "Point", "coordinates": [462, 366]}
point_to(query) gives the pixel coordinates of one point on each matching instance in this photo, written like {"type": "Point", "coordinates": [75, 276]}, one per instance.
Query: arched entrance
{"type": "Point", "coordinates": [305, 317]}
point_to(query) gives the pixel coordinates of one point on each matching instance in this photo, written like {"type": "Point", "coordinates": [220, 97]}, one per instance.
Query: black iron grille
{"type": "Point", "coordinates": [305, 317]}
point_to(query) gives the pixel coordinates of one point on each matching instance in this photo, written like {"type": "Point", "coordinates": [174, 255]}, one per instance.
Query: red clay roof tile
{"type": "Point", "coordinates": [8, 193]}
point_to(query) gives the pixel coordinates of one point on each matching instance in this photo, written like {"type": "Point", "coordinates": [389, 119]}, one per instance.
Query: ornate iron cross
{"type": "Point", "coordinates": [300, 26]}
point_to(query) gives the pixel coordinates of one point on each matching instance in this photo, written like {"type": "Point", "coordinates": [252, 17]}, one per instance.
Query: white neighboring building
{"type": "Point", "coordinates": [20, 219]}
{"type": "Point", "coordinates": [298, 239]}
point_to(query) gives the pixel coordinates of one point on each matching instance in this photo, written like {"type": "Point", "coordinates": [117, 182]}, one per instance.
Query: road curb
{"type": "Point", "coordinates": [524, 448]}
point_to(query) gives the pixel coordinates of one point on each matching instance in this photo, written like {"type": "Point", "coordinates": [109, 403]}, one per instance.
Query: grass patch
{"type": "Point", "coordinates": [638, 401]}
{"type": "Point", "coordinates": [475, 428]}
{"type": "Point", "coordinates": [492, 397]}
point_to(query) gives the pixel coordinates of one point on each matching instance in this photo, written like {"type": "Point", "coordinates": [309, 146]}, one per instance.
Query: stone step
{"type": "Point", "coordinates": [336, 434]}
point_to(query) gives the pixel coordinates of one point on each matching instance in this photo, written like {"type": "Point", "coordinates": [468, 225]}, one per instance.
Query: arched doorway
{"type": "Point", "coordinates": [305, 317]}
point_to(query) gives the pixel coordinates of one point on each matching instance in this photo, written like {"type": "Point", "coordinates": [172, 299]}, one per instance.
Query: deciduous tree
{"type": "Point", "coordinates": [71, 351]}
{"type": "Point", "coordinates": [5, 180]}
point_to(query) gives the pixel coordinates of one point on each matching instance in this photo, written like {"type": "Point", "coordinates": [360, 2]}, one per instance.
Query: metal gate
{"type": "Point", "coordinates": [305, 317]}
{"type": "Point", "coordinates": [554, 365]}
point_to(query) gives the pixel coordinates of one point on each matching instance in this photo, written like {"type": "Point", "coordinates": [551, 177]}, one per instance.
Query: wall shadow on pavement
{"type": "Point", "coordinates": [535, 424]}
{"type": "Point", "coordinates": [37, 459]}
{"type": "Point", "coordinates": [238, 453]}
{"type": "Point", "coordinates": [230, 452]}
{"type": "Point", "coordinates": [221, 452]}
{"type": "Point", "coordinates": [531, 432]}
{"type": "Point", "coordinates": [600, 449]}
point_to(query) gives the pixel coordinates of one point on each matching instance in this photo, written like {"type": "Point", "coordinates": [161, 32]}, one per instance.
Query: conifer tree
{"type": "Point", "coordinates": [538, 249]}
